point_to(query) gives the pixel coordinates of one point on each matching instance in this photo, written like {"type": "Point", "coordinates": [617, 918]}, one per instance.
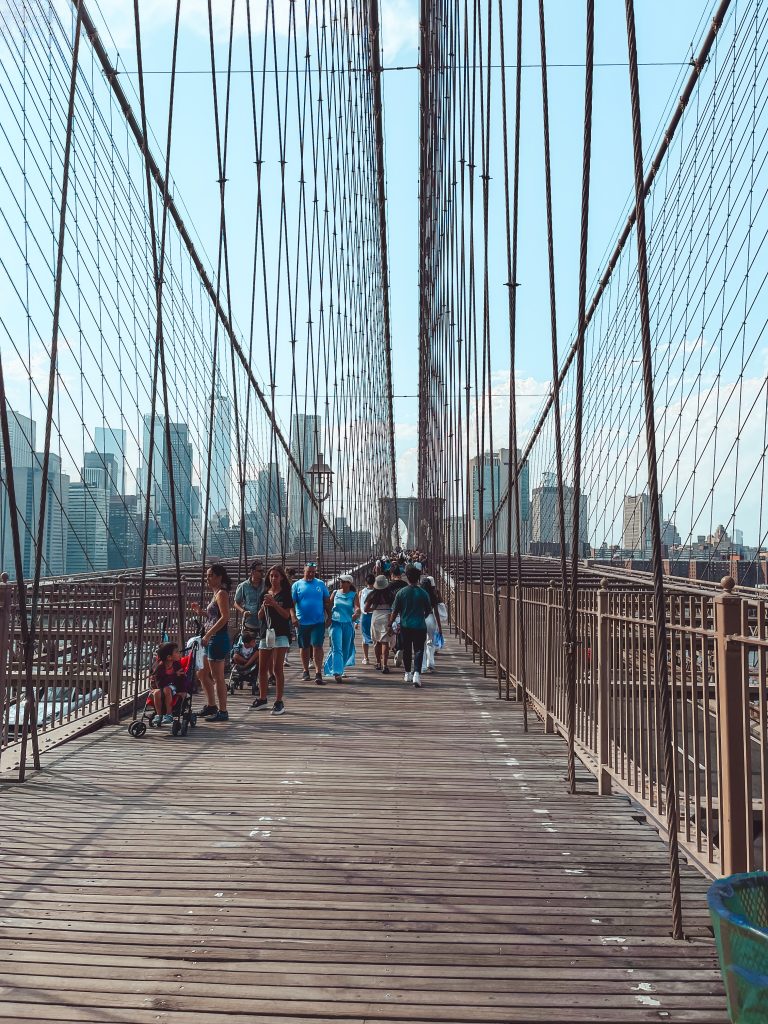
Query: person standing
{"type": "Point", "coordinates": [275, 614]}
{"type": "Point", "coordinates": [345, 611]}
{"type": "Point", "coordinates": [378, 605]}
{"type": "Point", "coordinates": [365, 618]}
{"type": "Point", "coordinates": [434, 625]}
{"type": "Point", "coordinates": [249, 597]}
{"type": "Point", "coordinates": [216, 644]}
{"type": "Point", "coordinates": [413, 605]}
{"type": "Point", "coordinates": [312, 603]}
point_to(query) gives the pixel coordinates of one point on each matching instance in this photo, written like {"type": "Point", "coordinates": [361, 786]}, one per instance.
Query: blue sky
{"type": "Point", "coordinates": [696, 338]}
{"type": "Point", "coordinates": [194, 171]}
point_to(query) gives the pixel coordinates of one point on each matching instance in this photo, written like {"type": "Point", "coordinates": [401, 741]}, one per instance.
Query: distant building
{"type": "Point", "coordinates": [265, 508]}
{"type": "Point", "coordinates": [545, 518]}
{"type": "Point", "coordinates": [27, 472]}
{"type": "Point", "coordinates": [636, 537]}
{"type": "Point", "coordinates": [489, 478]}
{"type": "Point", "coordinates": [160, 506]}
{"type": "Point", "coordinates": [111, 441]}
{"type": "Point", "coordinates": [302, 517]}
{"type": "Point", "coordinates": [126, 532]}
{"type": "Point", "coordinates": [101, 470]}
{"type": "Point", "coordinates": [670, 538]}
{"type": "Point", "coordinates": [219, 504]}
{"type": "Point", "coordinates": [224, 542]}
{"type": "Point", "coordinates": [87, 541]}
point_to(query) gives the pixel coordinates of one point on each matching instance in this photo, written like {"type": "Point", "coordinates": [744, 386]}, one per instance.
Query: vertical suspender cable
{"type": "Point", "coordinates": [28, 616]}
{"type": "Point", "coordinates": [512, 237]}
{"type": "Point", "coordinates": [556, 381]}
{"type": "Point", "coordinates": [573, 609]}
{"type": "Point", "coordinates": [659, 606]}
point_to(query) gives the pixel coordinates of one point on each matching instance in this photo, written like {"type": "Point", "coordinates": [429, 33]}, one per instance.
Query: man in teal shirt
{"type": "Point", "coordinates": [413, 605]}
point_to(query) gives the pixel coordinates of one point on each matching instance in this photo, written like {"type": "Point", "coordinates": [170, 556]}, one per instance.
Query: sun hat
{"type": "Point", "coordinates": [345, 578]}
{"type": "Point", "coordinates": [381, 583]}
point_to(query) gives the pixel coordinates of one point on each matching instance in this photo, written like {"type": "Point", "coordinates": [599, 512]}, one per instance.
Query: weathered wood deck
{"type": "Point", "coordinates": [377, 854]}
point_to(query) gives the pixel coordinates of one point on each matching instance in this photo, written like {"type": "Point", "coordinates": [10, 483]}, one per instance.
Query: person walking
{"type": "Point", "coordinates": [275, 615]}
{"type": "Point", "coordinates": [396, 582]}
{"type": "Point", "coordinates": [378, 605]}
{"type": "Point", "coordinates": [434, 625]}
{"type": "Point", "coordinates": [413, 606]}
{"type": "Point", "coordinates": [345, 611]}
{"type": "Point", "coordinates": [365, 618]}
{"type": "Point", "coordinates": [216, 644]}
{"type": "Point", "coordinates": [312, 604]}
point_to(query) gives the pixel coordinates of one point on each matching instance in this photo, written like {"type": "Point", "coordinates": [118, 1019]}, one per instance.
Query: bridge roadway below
{"type": "Point", "coordinates": [377, 854]}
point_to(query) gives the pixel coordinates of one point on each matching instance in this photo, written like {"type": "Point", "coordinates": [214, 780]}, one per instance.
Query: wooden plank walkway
{"type": "Point", "coordinates": [377, 854]}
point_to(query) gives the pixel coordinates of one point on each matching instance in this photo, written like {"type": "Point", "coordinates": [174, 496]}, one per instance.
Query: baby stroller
{"type": "Point", "coordinates": [242, 675]}
{"type": "Point", "coordinates": [181, 709]}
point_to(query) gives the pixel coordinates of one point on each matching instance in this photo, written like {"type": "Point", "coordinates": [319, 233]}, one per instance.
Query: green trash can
{"type": "Point", "coordinates": [738, 906]}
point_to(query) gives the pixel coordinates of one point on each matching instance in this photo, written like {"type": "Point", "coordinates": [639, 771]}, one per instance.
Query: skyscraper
{"type": "Point", "coordinates": [181, 463]}
{"type": "Point", "coordinates": [87, 547]}
{"type": "Point", "coordinates": [111, 441]}
{"type": "Point", "coordinates": [265, 508]}
{"type": "Point", "coordinates": [221, 461]}
{"type": "Point", "coordinates": [302, 518]}
{"type": "Point", "coordinates": [545, 517]}
{"type": "Point", "coordinates": [160, 526]}
{"type": "Point", "coordinates": [636, 524]}
{"type": "Point", "coordinates": [101, 469]}
{"type": "Point", "coordinates": [494, 474]}
{"type": "Point", "coordinates": [27, 471]}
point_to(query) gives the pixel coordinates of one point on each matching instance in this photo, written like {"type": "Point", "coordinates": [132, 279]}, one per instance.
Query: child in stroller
{"type": "Point", "coordinates": [169, 701]}
{"type": "Point", "coordinates": [245, 663]}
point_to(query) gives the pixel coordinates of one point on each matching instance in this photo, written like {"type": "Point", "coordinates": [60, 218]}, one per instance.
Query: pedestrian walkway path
{"type": "Point", "coordinates": [377, 854]}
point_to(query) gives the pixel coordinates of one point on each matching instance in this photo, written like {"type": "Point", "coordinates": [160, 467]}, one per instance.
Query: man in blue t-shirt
{"type": "Point", "coordinates": [311, 611]}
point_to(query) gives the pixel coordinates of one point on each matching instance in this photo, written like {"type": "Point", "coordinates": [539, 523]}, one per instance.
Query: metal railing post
{"type": "Point", "coordinates": [600, 661]}
{"type": "Point", "coordinates": [6, 593]}
{"type": "Point", "coordinates": [735, 792]}
{"type": "Point", "coordinates": [116, 654]}
{"type": "Point", "coordinates": [549, 657]}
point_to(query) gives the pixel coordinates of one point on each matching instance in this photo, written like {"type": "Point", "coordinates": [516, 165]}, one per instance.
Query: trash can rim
{"type": "Point", "coordinates": [716, 896]}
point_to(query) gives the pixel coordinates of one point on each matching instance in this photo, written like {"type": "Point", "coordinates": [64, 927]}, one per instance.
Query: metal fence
{"type": "Point", "coordinates": [717, 653]}
{"type": "Point", "coordinates": [87, 655]}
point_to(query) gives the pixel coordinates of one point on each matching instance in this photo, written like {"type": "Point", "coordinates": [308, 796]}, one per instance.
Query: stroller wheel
{"type": "Point", "coordinates": [176, 728]}
{"type": "Point", "coordinates": [137, 729]}
{"type": "Point", "coordinates": [185, 727]}
{"type": "Point", "coordinates": [193, 720]}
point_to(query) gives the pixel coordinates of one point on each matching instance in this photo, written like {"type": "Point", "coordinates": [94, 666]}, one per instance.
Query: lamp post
{"type": "Point", "coordinates": [320, 477]}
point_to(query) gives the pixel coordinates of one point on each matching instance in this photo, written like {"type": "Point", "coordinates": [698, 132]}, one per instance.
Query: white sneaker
{"type": "Point", "coordinates": [417, 679]}
{"type": "Point", "coordinates": [408, 677]}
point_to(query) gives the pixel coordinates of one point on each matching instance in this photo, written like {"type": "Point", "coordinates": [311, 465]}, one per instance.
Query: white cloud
{"type": "Point", "coordinates": [399, 27]}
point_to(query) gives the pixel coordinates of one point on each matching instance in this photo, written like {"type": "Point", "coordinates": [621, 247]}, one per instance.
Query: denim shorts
{"type": "Point", "coordinates": [280, 641]}
{"type": "Point", "coordinates": [219, 647]}
{"type": "Point", "coordinates": [311, 636]}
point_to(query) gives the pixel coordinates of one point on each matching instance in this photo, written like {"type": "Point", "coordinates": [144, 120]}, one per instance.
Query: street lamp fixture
{"type": "Point", "coordinates": [320, 479]}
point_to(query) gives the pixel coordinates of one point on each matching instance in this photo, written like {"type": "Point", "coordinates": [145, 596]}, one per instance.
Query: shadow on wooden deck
{"type": "Point", "coordinates": [377, 854]}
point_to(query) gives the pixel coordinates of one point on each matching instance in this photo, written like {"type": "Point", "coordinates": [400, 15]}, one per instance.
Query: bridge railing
{"type": "Point", "coordinates": [717, 656]}
{"type": "Point", "coordinates": [88, 650]}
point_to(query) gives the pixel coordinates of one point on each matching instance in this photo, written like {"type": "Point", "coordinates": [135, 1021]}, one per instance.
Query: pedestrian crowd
{"type": "Point", "coordinates": [399, 613]}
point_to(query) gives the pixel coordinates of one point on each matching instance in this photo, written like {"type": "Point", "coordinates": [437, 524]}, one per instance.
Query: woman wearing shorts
{"type": "Point", "coordinates": [216, 644]}
{"type": "Point", "coordinates": [275, 613]}
{"type": "Point", "coordinates": [365, 618]}
{"type": "Point", "coordinates": [379, 604]}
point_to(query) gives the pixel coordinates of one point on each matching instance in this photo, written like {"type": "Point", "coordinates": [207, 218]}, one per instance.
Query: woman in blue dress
{"type": "Point", "coordinates": [345, 611]}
